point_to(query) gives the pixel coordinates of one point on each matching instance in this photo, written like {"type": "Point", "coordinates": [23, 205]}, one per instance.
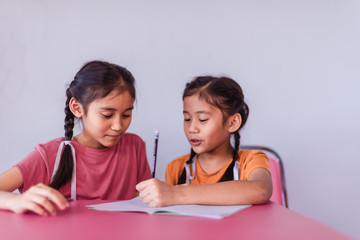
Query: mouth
{"type": "Point", "coordinates": [195, 142]}
{"type": "Point", "coordinates": [113, 137]}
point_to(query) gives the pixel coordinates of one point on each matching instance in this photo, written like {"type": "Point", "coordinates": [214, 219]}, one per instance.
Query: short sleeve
{"type": "Point", "coordinates": [34, 170]}
{"type": "Point", "coordinates": [251, 160]}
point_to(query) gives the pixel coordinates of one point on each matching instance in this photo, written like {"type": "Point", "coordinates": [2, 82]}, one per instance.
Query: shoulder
{"type": "Point", "coordinates": [37, 166]}
{"type": "Point", "coordinates": [52, 142]}
{"type": "Point", "coordinates": [49, 146]}
{"type": "Point", "coordinates": [250, 154]}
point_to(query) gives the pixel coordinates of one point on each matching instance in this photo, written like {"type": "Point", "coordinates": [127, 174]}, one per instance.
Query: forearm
{"type": "Point", "coordinates": [256, 190]}
{"type": "Point", "coordinates": [224, 193]}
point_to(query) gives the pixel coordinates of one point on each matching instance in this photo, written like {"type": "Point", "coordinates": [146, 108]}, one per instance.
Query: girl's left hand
{"type": "Point", "coordinates": [156, 193]}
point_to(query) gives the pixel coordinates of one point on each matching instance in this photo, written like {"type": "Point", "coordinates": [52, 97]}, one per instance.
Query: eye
{"type": "Point", "coordinates": [203, 120]}
{"type": "Point", "coordinates": [186, 119]}
{"type": "Point", "coordinates": [127, 114]}
{"type": "Point", "coordinates": [106, 116]}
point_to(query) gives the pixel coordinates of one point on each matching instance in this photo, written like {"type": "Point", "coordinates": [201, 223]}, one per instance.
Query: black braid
{"type": "Point", "coordinates": [244, 112]}
{"type": "Point", "coordinates": [236, 145]}
{"type": "Point", "coordinates": [69, 117]}
{"type": "Point", "coordinates": [229, 174]}
{"type": "Point", "coordinates": [182, 178]}
{"type": "Point", "coordinates": [192, 155]}
{"type": "Point", "coordinates": [66, 165]}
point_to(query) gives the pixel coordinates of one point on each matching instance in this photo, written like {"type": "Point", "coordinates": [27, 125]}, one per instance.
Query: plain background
{"type": "Point", "coordinates": [297, 62]}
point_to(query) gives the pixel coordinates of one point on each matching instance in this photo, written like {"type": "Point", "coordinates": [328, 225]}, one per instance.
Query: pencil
{"type": "Point", "coordinates": [155, 151]}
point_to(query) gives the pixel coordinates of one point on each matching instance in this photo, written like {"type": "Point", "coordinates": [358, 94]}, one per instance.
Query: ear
{"type": "Point", "coordinates": [76, 108]}
{"type": "Point", "coordinates": [234, 122]}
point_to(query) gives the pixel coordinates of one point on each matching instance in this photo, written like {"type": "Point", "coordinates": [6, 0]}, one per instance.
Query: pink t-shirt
{"type": "Point", "coordinates": [110, 173]}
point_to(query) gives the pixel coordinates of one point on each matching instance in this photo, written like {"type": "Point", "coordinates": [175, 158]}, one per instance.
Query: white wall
{"type": "Point", "coordinates": [297, 61]}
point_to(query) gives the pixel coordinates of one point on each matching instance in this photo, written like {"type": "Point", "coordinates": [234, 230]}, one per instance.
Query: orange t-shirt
{"type": "Point", "coordinates": [248, 161]}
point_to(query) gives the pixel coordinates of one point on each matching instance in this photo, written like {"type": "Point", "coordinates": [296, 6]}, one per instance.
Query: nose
{"type": "Point", "coordinates": [117, 124]}
{"type": "Point", "coordinates": [193, 127]}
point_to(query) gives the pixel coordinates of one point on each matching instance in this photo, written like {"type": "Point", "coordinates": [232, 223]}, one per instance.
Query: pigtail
{"type": "Point", "coordinates": [182, 178]}
{"type": "Point", "coordinates": [236, 145]}
{"type": "Point", "coordinates": [192, 155]}
{"type": "Point", "coordinates": [66, 165]}
{"type": "Point", "coordinates": [69, 117]}
{"type": "Point", "coordinates": [244, 112]}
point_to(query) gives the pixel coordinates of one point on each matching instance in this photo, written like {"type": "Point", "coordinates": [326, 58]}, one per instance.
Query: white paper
{"type": "Point", "coordinates": [137, 205]}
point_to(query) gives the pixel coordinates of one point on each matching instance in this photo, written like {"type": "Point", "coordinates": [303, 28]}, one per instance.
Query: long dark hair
{"type": "Point", "coordinates": [96, 79]}
{"type": "Point", "coordinates": [223, 93]}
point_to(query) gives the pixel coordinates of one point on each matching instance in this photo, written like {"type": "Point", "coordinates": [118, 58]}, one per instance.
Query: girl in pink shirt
{"type": "Point", "coordinates": [101, 162]}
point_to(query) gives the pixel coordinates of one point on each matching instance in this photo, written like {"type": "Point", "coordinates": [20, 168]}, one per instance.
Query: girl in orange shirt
{"type": "Point", "coordinates": [215, 172]}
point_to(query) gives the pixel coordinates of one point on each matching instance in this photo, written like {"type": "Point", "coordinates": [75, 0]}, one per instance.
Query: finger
{"type": "Point", "coordinates": [154, 203]}
{"type": "Point", "coordinates": [55, 196]}
{"type": "Point", "coordinates": [149, 190]}
{"type": "Point", "coordinates": [140, 186]}
{"type": "Point", "coordinates": [147, 195]}
{"type": "Point", "coordinates": [33, 207]}
{"type": "Point", "coordinates": [147, 199]}
{"type": "Point", "coordinates": [144, 192]}
{"type": "Point", "coordinates": [152, 199]}
{"type": "Point", "coordinates": [152, 189]}
{"type": "Point", "coordinates": [43, 202]}
{"type": "Point", "coordinates": [150, 204]}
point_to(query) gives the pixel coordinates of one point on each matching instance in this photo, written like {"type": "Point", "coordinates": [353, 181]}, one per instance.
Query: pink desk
{"type": "Point", "coordinates": [269, 221]}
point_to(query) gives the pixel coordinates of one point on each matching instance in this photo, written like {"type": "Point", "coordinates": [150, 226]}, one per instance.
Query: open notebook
{"type": "Point", "coordinates": [137, 205]}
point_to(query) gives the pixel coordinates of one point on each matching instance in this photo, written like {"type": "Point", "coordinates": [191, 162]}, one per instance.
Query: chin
{"type": "Point", "coordinates": [103, 145]}
{"type": "Point", "coordinates": [111, 144]}
{"type": "Point", "coordinates": [197, 151]}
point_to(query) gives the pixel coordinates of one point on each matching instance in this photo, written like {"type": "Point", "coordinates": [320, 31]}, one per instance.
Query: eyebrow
{"type": "Point", "coordinates": [198, 112]}
{"type": "Point", "coordinates": [113, 109]}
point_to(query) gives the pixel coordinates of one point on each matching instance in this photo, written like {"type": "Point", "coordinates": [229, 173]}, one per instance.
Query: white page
{"type": "Point", "coordinates": [137, 205]}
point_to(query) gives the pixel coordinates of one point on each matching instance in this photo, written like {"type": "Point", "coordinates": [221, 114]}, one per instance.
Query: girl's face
{"type": "Point", "coordinates": [204, 127]}
{"type": "Point", "coordinates": [106, 120]}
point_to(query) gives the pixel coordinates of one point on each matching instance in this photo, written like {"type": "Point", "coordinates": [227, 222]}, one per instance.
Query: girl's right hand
{"type": "Point", "coordinates": [40, 199]}
{"type": "Point", "coordinates": [156, 193]}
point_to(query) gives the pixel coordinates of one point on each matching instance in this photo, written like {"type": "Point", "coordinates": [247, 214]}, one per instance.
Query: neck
{"type": "Point", "coordinates": [214, 160]}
